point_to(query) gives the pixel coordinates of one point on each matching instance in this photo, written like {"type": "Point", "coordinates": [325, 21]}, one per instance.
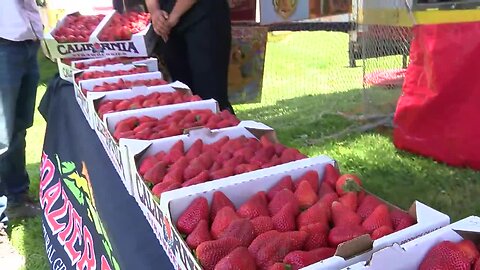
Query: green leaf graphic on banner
{"type": "Point", "coordinates": [74, 190]}
{"type": "Point", "coordinates": [68, 167]}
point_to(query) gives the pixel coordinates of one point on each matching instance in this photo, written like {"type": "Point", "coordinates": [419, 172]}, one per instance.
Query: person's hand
{"type": "Point", "coordinates": [160, 24]}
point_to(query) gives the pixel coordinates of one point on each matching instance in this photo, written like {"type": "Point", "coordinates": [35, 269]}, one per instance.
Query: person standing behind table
{"type": "Point", "coordinates": [197, 38]}
{"type": "Point", "coordinates": [20, 31]}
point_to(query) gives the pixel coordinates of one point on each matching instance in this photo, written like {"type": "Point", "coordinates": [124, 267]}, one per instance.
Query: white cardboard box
{"type": "Point", "coordinates": [410, 255]}
{"type": "Point", "coordinates": [173, 203]}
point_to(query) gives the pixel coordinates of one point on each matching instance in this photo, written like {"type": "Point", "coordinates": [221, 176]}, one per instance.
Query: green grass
{"type": "Point", "coordinates": [305, 79]}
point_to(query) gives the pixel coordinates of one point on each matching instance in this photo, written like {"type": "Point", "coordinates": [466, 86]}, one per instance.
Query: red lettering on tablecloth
{"type": "Point", "coordinates": [74, 229]}
{"type": "Point", "coordinates": [88, 261]}
{"type": "Point", "coordinates": [47, 172]}
{"type": "Point", "coordinates": [53, 217]}
{"type": "Point", "coordinates": [50, 197]}
{"type": "Point", "coordinates": [105, 265]}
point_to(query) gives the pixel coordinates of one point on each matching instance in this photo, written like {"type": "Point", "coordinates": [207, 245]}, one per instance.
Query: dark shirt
{"type": "Point", "coordinates": [196, 13]}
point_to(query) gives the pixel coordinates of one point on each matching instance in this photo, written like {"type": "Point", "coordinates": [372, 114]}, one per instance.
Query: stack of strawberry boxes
{"type": "Point", "coordinates": [218, 192]}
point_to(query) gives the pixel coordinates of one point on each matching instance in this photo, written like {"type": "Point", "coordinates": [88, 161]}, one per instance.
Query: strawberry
{"type": "Point", "coordinates": [379, 217]}
{"type": "Point", "coordinates": [261, 240]}
{"type": "Point", "coordinates": [262, 224]}
{"type": "Point", "coordinates": [192, 170]}
{"type": "Point", "coordinates": [344, 180]}
{"type": "Point", "coordinates": [469, 250]}
{"type": "Point", "coordinates": [195, 150]}
{"type": "Point", "coordinates": [367, 206]}
{"type": "Point", "coordinates": [200, 178]}
{"type": "Point", "coordinates": [289, 155]}
{"type": "Point", "coordinates": [329, 198]}
{"type": "Point", "coordinates": [155, 174]}
{"type": "Point", "coordinates": [330, 175]}
{"type": "Point", "coordinates": [241, 229]}
{"type": "Point", "coordinates": [381, 232]}
{"type": "Point", "coordinates": [146, 164]}
{"type": "Point", "coordinates": [219, 200]}
{"type": "Point", "coordinates": [341, 234]}
{"type": "Point", "coordinates": [477, 265]}
{"type": "Point", "coordinates": [344, 216]}
{"type": "Point", "coordinates": [282, 198]}
{"type": "Point", "coordinates": [317, 235]}
{"type": "Point", "coordinates": [349, 199]}
{"type": "Point", "coordinates": [176, 152]}
{"type": "Point", "coordinates": [221, 173]}
{"type": "Point", "coordinates": [174, 175]}
{"type": "Point", "coordinates": [445, 255]}
{"type": "Point", "coordinates": [401, 219]}
{"type": "Point", "coordinates": [284, 220]}
{"type": "Point", "coordinates": [279, 246]}
{"type": "Point", "coordinates": [280, 266]}
{"type": "Point", "coordinates": [256, 206]}
{"type": "Point", "coordinates": [305, 195]}
{"type": "Point", "coordinates": [219, 144]}
{"type": "Point", "coordinates": [195, 212]}
{"type": "Point", "coordinates": [206, 159]}
{"type": "Point", "coordinates": [300, 259]}
{"type": "Point", "coordinates": [325, 189]}
{"type": "Point", "coordinates": [209, 253]}
{"type": "Point", "coordinates": [239, 258]}
{"type": "Point", "coordinates": [318, 213]}
{"type": "Point", "coordinates": [159, 188]}
{"type": "Point", "coordinates": [311, 177]}
{"type": "Point", "coordinates": [284, 183]}
{"type": "Point", "coordinates": [222, 220]}
{"type": "Point", "coordinates": [199, 235]}
{"type": "Point", "coordinates": [265, 141]}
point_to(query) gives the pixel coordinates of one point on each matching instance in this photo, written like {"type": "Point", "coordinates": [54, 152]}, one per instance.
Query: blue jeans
{"type": "Point", "coordinates": [19, 76]}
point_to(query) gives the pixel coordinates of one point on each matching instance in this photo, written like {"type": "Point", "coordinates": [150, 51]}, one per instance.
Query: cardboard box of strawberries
{"type": "Point", "coordinates": [306, 216]}
{"type": "Point", "coordinates": [93, 36]}
{"type": "Point", "coordinates": [454, 247]}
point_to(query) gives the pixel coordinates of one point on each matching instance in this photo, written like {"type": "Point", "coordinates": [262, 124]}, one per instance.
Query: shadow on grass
{"type": "Point", "coordinates": [27, 234]}
{"type": "Point", "coordinates": [396, 176]}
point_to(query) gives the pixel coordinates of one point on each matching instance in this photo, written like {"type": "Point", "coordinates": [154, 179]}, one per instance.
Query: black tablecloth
{"type": "Point", "coordinates": [109, 223]}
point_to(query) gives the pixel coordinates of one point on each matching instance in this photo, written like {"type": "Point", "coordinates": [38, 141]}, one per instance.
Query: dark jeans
{"type": "Point", "coordinates": [199, 55]}
{"type": "Point", "coordinates": [19, 76]}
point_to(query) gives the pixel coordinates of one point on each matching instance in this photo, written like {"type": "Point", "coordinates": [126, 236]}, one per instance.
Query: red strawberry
{"type": "Point", "coordinates": [195, 150]}
{"type": "Point", "coordinates": [379, 217]}
{"type": "Point", "coordinates": [261, 240]}
{"type": "Point", "coordinates": [162, 187]}
{"type": "Point", "coordinates": [211, 252]}
{"type": "Point", "coordinates": [196, 211]}
{"type": "Point", "coordinates": [265, 141]}
{"type": "Point", "coordinates": [329, 198]}
{"type": "Point", "coordinates": [318, 213]}
{"type": "Point", "coordinates": [284, 183]}
{"type": "Point", "coordinates": [221, 173]}
{"type": "Point", "coordinates": [305, 195]}
{"type": "Point", "coordinates": [344, 216]}
{"type": "Point", "coordinates": [300, 259]}
{"type": "Point", "coordinates": [239, 258]}
{"type": "Point", "coordinates": [219, 200]}
{"type": "Point", "coordinates": [477, 265]}
{"type": "Point", "coordinates": [317, 235]}
{"type": "Point", "coordinates": [262, 224]}
{"type": "Point", "coordinates": [349, 199]}
{"type": "Point", "coordinates": [340, 234]}
{"type": "Point", "coordinates": [445, 255]}
{"type": "Point", "coordinates": [325, 189]}
{"type": "Point", "coordinates": [219, 144]}
{"type": "Point", "coordinates": [282, 198]}
{"type": "Point", "coordinates": [222, 220]}
{"type": "Point", "coordinates": [174, 175]}
{"type": "Point", "coordinates": [284, 220]}
{"type": "Point", "coordinates": [469, 250]}
{"type": "Point", "coordinates": [367, 206]}
{"type": "Point", "coordinates": [200, 178]}
{"type": "Point", "coordinates": [330, 175]}
{"type": "Point", "coordinates": [176, 152]}
{"type": "Point", "coordinates": [344, 180]}
{"type": "Point", "coordinates": [381, 232]}
{"type": "Point", "coordinates": [289, 155]}
{"type": "Point", "coordinates": [311, 177]}
{"type": "Point", "coordinates": [155, 174]}
{"type": "Point", "coordinates": [199, 235]}
{"type": "Point", "coordinates": [192, 170]}
{"type": "Point", "coordinates": [280, 266]}
{"type": "Point", "coordinates": [401, 219]}
{"type": "Point", "coordinates": [279, 246]}
{"type": "Point", "coordinates": [256, 206]}
{"type": "Point", "coordinates": [241, 229]}
{"type": "Point", "coordinates": [146, 164]}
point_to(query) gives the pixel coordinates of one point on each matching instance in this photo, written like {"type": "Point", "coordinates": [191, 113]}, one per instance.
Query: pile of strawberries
{"type": "Point", "coordinates": [463, 255]}
{"type": "Point", "coordinates": [125, 84]}
{"type": "Point", "coordinates": [77, 28]}
{"type": "Point", "coordinates": [149, 128]}
{"type": "Point", "coordinates": [123, 26]}
{"type": "Point", "coordinates": [294, 224]}
{"type": "Point", "coordinates": [108, 61]}
{"type": "Point", "coordinates": [180, 167]}
{"type": "Point", "coordinates": [88, 75]}
{"type": "Point", "coordinates": [142, 101]}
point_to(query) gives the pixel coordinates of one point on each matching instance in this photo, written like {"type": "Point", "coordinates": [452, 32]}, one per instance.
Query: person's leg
{"type": "Point", "coordinates": [174, 54]}
{"type": "Point", "coordinates": [209, 42]}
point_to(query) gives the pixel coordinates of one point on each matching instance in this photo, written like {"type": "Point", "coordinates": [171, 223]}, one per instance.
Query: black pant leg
{"type": "Point", "coordinates": [175, 55]}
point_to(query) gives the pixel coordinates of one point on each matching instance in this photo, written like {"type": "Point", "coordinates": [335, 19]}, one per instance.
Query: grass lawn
{"type": "Point", "coordinates": [305, 79]}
